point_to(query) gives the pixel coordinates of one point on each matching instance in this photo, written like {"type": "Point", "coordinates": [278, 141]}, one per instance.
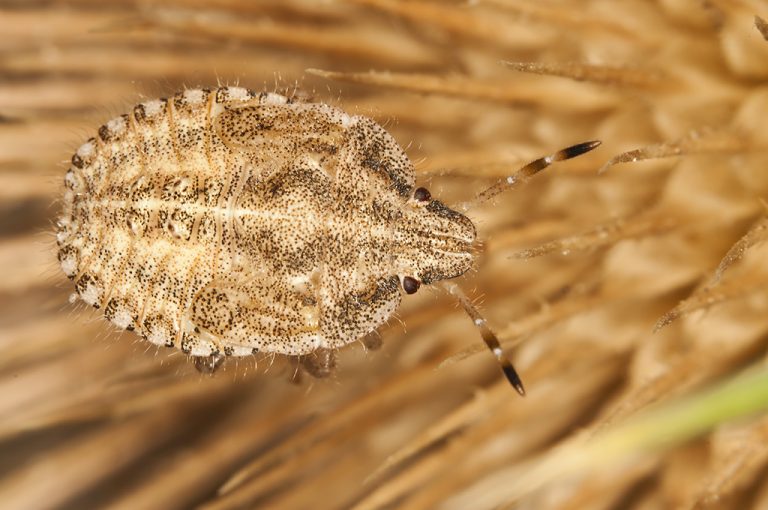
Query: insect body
{"type": "Point", "coordinates": [229, 222]}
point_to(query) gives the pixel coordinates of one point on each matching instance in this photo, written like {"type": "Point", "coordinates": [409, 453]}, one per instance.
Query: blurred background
{"type": "Point", "coordinates": [633, 301]}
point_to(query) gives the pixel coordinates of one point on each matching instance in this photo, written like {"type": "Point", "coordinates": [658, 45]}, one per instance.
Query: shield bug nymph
{"type": "Point", "coordinates": [229, 222]}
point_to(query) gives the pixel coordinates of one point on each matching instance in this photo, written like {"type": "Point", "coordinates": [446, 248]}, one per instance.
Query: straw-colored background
{"type": "Point", "coordinates": [90, 418]}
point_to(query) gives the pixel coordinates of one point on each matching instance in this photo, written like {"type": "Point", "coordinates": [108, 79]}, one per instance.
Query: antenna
{"type": "Point", "coordinates": [488, 337]}
{"type": "Point", "coordinates": [521, 176]}
{"type": "Point", "coordinates": [513, 181]}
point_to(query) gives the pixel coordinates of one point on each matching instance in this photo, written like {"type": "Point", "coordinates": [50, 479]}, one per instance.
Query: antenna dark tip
{"type": "Point", "coordinates": [528, 171]}
{"type": "Point", "coordinates": [513, 377]}
{"type": "Point", "coordinates": [578, 149]}
{"type": "Point", "coordinates": [488, 337]}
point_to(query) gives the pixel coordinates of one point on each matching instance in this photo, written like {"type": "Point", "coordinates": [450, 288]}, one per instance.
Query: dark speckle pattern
{"type": "Point", "coordinates": [229, 222]}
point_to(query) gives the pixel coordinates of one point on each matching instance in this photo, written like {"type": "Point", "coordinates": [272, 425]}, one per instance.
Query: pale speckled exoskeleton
{"type": "Point", "coordinates": [229, 222]}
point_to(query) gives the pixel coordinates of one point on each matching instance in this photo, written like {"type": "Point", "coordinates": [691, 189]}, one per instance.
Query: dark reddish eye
{"type": "Point", "coordinates": [410, 285]}
{"type": "Point", "coordinates": [422, 195]}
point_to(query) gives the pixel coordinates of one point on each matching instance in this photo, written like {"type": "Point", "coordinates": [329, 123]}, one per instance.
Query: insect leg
{"type": "Point", "coordinates": [372, 341]}
{"type": "Point", "coordinates": [320, 363]}
{"type": "Point", "coordinates": [208, 364]}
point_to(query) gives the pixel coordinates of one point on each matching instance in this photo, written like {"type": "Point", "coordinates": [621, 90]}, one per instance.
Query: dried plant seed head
{"type": "Point", "coordinates": [228, 222]}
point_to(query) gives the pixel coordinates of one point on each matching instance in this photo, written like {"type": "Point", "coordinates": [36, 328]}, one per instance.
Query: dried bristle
{"type": "Point", "coordinates": [673, 233]}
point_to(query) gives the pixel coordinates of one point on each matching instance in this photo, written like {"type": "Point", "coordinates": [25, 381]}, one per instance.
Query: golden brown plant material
{"type": "Point", "coordinates": [576, 269]}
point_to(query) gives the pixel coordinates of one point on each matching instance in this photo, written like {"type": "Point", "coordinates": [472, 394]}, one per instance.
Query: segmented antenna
{"type": "Point", "coordinates": [521, 176]}
{"type": "Point", "coordinates": [517, 179]}
{"type": "Point", "coordinates": [488, 337]}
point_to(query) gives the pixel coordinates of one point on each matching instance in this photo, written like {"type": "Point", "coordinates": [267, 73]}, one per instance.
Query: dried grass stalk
{"type": "Point", "coordinates": [575, 270]}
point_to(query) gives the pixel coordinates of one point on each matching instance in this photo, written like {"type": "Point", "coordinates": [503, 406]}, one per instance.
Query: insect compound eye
{"type": "Point", "coordinates": [422, 195]}
{"type": "Point", "coordinates": [411, 285]}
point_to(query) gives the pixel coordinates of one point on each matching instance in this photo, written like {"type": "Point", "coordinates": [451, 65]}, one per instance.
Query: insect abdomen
{"type": "Point", "coordinates": [146, 221]}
